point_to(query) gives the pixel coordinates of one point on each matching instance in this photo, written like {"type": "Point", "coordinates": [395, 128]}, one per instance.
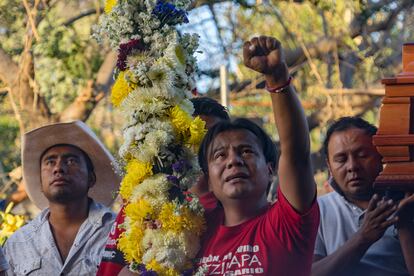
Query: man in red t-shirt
{"type": "Point", "coordinates": [113, 259]}
{"type": "Point", "coordinates": [246, 235]}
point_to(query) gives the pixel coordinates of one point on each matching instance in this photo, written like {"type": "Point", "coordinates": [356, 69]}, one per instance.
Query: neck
{"type": "Point", "coordinates": [238, 211]}
{"type": "Point", "coordinates": [70, 213]}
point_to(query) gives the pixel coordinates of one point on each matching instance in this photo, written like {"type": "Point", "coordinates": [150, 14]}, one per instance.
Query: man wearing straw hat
{"type": "Point", "coordinates": [68, 174]}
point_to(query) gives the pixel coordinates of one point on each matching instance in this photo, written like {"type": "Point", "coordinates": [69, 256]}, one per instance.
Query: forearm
{"type": "Point", "coordinates": [291, 124]}
{"type": "Point", "coordinates": [295, 168]}
{"type": "Point", "coordinates": [341, 260]}
{"type": "Point", "coordinates": [406, 237]}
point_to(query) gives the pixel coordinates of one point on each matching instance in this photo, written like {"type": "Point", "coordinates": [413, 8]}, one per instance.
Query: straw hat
{"type": "Point", "coordinates": [78, 134]}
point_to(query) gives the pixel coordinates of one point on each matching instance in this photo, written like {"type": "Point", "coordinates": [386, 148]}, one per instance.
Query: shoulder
{"type": "Point", "coordinates": [99, 213]}
{"type": "Point", "coordinates": [328, 200]}
{"type": "Point", "coordinates": [28, 231]}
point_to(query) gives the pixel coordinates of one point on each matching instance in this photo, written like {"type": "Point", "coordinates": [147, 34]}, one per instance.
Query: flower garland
{"type": "Point", "coordinates": [154, 79]}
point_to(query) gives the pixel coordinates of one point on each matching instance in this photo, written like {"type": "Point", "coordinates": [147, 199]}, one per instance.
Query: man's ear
{"type": "Point", "coordinates": [270, 169]}
{"type": "Point", "coordinates": [328, 165]}
{"type": "Point", "coordinates": [91, 179]}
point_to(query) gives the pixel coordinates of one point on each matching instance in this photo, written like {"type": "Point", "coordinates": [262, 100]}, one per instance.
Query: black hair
{"type": "Point", "coordinates": [269, 148]}
{"type": "Point", "coordinates": [209, 107]}
{"type": "Point", "coordinates": [89, 164]}
{"type": "Point", "coordinates": [346, 123]}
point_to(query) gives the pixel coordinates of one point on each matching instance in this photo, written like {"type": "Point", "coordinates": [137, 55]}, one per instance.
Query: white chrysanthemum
{"type": "Point", "coordinates": [168, 249]}
{"type": "Point", "coordinates": [129, 138]}
{"type": "Point", "coordinates": [140, 109]}
{"type": "Point", "coordinates": [187, 106]}
{"type": "Point", "coordinates": [161, 75]}
{"type": "Point", "coordinates": [174, 94]}
{"type": "Point", "coordinates": [154, 189]}
{"type": "Point", "coordinates": [152, 145]}
{"type": "Point", "coordinates": [149, 139]}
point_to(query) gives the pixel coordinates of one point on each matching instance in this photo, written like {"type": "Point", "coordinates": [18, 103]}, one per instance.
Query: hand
{"type": "Point", "coordinates": [377, 219]}
{"type": "Point", "coordinates": [405, 211]}
{"type": "Point", "coordinates": [265, 55]}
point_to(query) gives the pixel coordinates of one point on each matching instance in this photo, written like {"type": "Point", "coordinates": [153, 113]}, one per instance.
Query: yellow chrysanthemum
{"type": "Point", "coordinates": [197, 131]}
{"type": "Point", "coordinates": [180, 119]}
{"type": "Point", "coordinates": [9, 223]}
{"type": "Point", "coordinates": [130, 244]}
{"type": "Point", "coordinates": [109, 5]}
{"type": "Point", "coordinates": [136, 172]}
{"type": "Point", "coordinates": [139, 210]}
{"type": "Point", "coordinates": [161, 270]}
{"type": "Point", "coordinates": [120, 89]}
{"type": "Point", "coordinates": [179, 221]}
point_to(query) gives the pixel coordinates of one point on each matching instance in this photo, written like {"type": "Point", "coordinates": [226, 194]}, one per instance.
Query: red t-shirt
{"type": "Point", "coordinates": [113, 259]}
{"type": "Point", "coordinates": [278, 242]}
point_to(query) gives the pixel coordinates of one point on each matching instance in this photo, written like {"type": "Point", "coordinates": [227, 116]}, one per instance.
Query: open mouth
{"type": "Point", "coordinates": [236, 176]}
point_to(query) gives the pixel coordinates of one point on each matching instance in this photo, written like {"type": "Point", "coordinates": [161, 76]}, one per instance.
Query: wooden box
{"type": "Point", "coordinates": [395, 137]}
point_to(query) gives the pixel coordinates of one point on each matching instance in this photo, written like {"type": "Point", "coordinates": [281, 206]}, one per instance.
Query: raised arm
{"type": "Point", "coordinates": [265, 55]}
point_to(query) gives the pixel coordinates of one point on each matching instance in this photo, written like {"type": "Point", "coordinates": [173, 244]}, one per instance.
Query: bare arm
{"type": "Point", "coordinates": [377, 220]}
{"type": "Point", "coordinates": [265, 55]}
{"type": "Point", "coordinates": [337, 263]}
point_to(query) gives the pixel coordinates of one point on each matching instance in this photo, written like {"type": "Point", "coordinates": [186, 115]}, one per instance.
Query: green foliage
{"type": "Point", "coordinates": [65, 57]}
{"type": "Point", "coordinates": [9, 132]}
{"type": "Point", "coordinates": [65, 60]}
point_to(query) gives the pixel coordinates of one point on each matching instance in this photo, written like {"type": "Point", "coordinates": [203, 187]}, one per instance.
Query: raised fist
{"type": "Point", "coordinates": [265, 55]}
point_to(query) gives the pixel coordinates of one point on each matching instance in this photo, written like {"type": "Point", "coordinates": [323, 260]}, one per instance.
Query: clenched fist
{"type": "Point", "coordinates": [265, 55]}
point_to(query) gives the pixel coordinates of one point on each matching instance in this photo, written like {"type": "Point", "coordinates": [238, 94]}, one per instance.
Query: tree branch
{"type": "Point", "coordinates": [82, 107]}
{"type": "Point", "coordinates": [8, 68]}
{"type": "Point", "coordinates": [86, 13]}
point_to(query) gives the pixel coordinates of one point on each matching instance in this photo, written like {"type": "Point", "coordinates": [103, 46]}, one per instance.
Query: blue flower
{"type": "Point", "coordinates": [169, 14]}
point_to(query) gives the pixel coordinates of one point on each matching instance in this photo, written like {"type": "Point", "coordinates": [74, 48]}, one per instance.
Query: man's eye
{"type": "Point", "coordinates": [340, 159]}
{"type": "Point", "coordinates": [362, 154]}
{"type": "Point", "coordinates": [71, 161]}
{"type": "Point", "coordinates": [49, 162]}
{"type": "Point", "coordinates": [247, 151]}
{"type": "Point", "coordinates": [218, 155]}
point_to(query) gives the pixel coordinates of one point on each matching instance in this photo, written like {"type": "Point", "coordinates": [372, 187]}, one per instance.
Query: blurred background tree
{"type": "Point", "coordinates": [52, 70]}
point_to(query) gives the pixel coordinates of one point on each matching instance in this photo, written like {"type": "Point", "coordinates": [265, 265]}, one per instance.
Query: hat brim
{"type": "Point", "coordinates": [78, 134]}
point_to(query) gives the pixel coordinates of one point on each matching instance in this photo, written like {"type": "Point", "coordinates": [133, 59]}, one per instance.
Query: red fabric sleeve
{"type": "Point", "coordinates": [209, 201]}
{"type": "Point", "coordinates": [113, 259]}
{"type": "Point", "coordinates": [296, 230]}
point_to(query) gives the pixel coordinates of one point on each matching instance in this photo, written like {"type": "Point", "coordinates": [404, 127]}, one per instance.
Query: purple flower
{"type": "Point", "coordinates": [187, 272]}
{"type": "Point", "coordinates": [143, 271]}
{"type": "Point", "coordinates": [173, 179]}
{"type": "Point", "coordinates": [149, 273]}
{"type": "Point", "coordinates": [181, 166]}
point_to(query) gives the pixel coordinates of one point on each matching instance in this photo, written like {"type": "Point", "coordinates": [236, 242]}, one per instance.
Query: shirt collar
{"type": "Point", "coordinates": [98, 213]}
